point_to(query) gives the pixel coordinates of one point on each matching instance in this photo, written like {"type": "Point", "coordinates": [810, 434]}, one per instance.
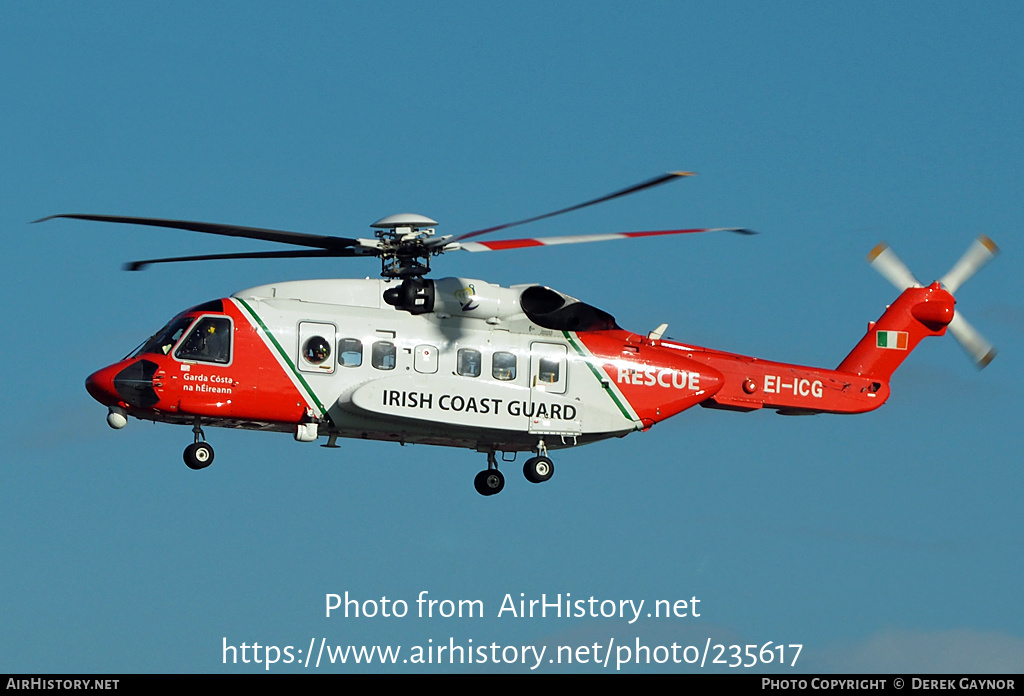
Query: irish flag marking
{"type": "Point", "coordinates": [892, 339]}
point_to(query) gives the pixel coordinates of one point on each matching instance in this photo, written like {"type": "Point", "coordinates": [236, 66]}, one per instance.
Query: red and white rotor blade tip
{"type": "Point", "coordinates": [503, 244]}
{"type": "Point", "coordinates": [981, 251]}
{"type": "Point", "coordinates": [884, 260]}
{"type": "Point", "coordinates": [981, 351]}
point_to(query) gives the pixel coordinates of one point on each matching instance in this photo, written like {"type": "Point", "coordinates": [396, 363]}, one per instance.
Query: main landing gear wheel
{"type": "Point", "coordinates": [198, 455]}
{"type": "Point", "coordinates": [489, 482]}
{"type": "Point", "coordinates": [538, 469]}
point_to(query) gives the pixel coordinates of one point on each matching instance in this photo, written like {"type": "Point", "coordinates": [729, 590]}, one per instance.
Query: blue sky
{"type": "Point", "coordinates": [889, 541]}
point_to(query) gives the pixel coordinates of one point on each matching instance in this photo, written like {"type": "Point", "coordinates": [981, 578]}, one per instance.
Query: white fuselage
{"type": "Point", "coordinates": [475, 372]}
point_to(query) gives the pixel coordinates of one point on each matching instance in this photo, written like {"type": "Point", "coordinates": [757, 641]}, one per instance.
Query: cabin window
{"type": "Point", "coordinates": [503, 366]}
{"type": "Point", "coordinates": [468, 362]}
{"type": "Point", "coordinates": [383, 355]}
{"type": "Point", "coordinates": [316, 345]}
{"type": "Point", "coordinates": [548, 371]}
{"type": "Point", "coordinates": [548, 367]}
{"type": "Point", "coordinates": [209, 341]}
{"type": "Point", "coordinates": [316, 349]}
{"type": "Point", "coordinates": [350, 352]}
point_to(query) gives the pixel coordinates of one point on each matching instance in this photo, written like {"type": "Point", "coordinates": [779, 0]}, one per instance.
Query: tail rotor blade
{"type": "Point", "coordinates": [981, 251]}
{"type": "Point", "coordinates": [981, 351]}
{"type": "Point", "coordinates": [885, 261]}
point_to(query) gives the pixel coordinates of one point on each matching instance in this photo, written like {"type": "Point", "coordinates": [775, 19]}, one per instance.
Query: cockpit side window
{"type": "Point", "coordinates": [209, 341]}
{"type": "Point", "coordinates": [164, 339]}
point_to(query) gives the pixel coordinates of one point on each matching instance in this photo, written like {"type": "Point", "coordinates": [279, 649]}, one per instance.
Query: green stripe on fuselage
{"type": "Point", "coordinates": [600, 377]}
{"type": "Point", "coordinates": [284, 356]}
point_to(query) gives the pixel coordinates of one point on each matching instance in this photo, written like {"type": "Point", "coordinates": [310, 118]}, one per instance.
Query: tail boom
{"type": "Point", "coordinates": [751, 383]}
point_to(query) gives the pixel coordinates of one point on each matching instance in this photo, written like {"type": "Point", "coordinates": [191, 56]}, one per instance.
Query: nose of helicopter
{"type": "Point", "coordinates": [126, 383]}
{"type": "Point", "coordinates": [100, 385]}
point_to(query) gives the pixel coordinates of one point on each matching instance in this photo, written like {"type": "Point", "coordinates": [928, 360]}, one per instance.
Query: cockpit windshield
{"type": "Point", "coordinates": [164, 339]}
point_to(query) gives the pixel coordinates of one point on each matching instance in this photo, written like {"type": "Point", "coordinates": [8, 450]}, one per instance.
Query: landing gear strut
{"type": "Point", "coordinates": [490, 480]}
{"type": "Point", "coordinates": [199, 454]}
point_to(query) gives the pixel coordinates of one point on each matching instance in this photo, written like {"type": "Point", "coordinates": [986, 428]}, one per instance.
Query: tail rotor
{"type": "Point", "coordinates": [884, 260]}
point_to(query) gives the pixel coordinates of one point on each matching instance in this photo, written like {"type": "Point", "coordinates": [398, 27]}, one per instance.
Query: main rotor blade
{"type": "Point", "coordinates": [284, 237]}
{"type": "Point", "coordinates": [300, 254]}
{"type": "Point", "coordinates": [503, 244]}
{"type": "Point", "coordinates": [981, 251]}
{"type": "Point", "coordinates": [980, 350]}
{"type": "Point", "coordinates": [624, 192]}
{"type": "Point", "coordinates": [886, 262]}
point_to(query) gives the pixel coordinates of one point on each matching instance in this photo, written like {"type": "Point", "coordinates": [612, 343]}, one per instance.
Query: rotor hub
{"type": "Point", "coordinates": [405, 245]}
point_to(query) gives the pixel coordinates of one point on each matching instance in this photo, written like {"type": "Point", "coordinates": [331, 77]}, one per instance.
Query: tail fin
{"type": "Point", "coordinates": [916, 314]}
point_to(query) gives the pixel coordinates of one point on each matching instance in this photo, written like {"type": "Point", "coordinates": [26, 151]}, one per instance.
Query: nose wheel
{"type": "Point", "coordinates": [199, 454]}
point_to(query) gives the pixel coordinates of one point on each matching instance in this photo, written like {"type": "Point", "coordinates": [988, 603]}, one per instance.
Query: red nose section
{"type": "Point", "coordinates": [100, 385]}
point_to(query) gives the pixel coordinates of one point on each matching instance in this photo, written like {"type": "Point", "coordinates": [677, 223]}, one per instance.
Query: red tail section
{"type": "Point", "coordinates": [916, 314]}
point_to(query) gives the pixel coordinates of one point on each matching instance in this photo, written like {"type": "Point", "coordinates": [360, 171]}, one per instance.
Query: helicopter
{"type": "Point", "coordinates": [460, 362]}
